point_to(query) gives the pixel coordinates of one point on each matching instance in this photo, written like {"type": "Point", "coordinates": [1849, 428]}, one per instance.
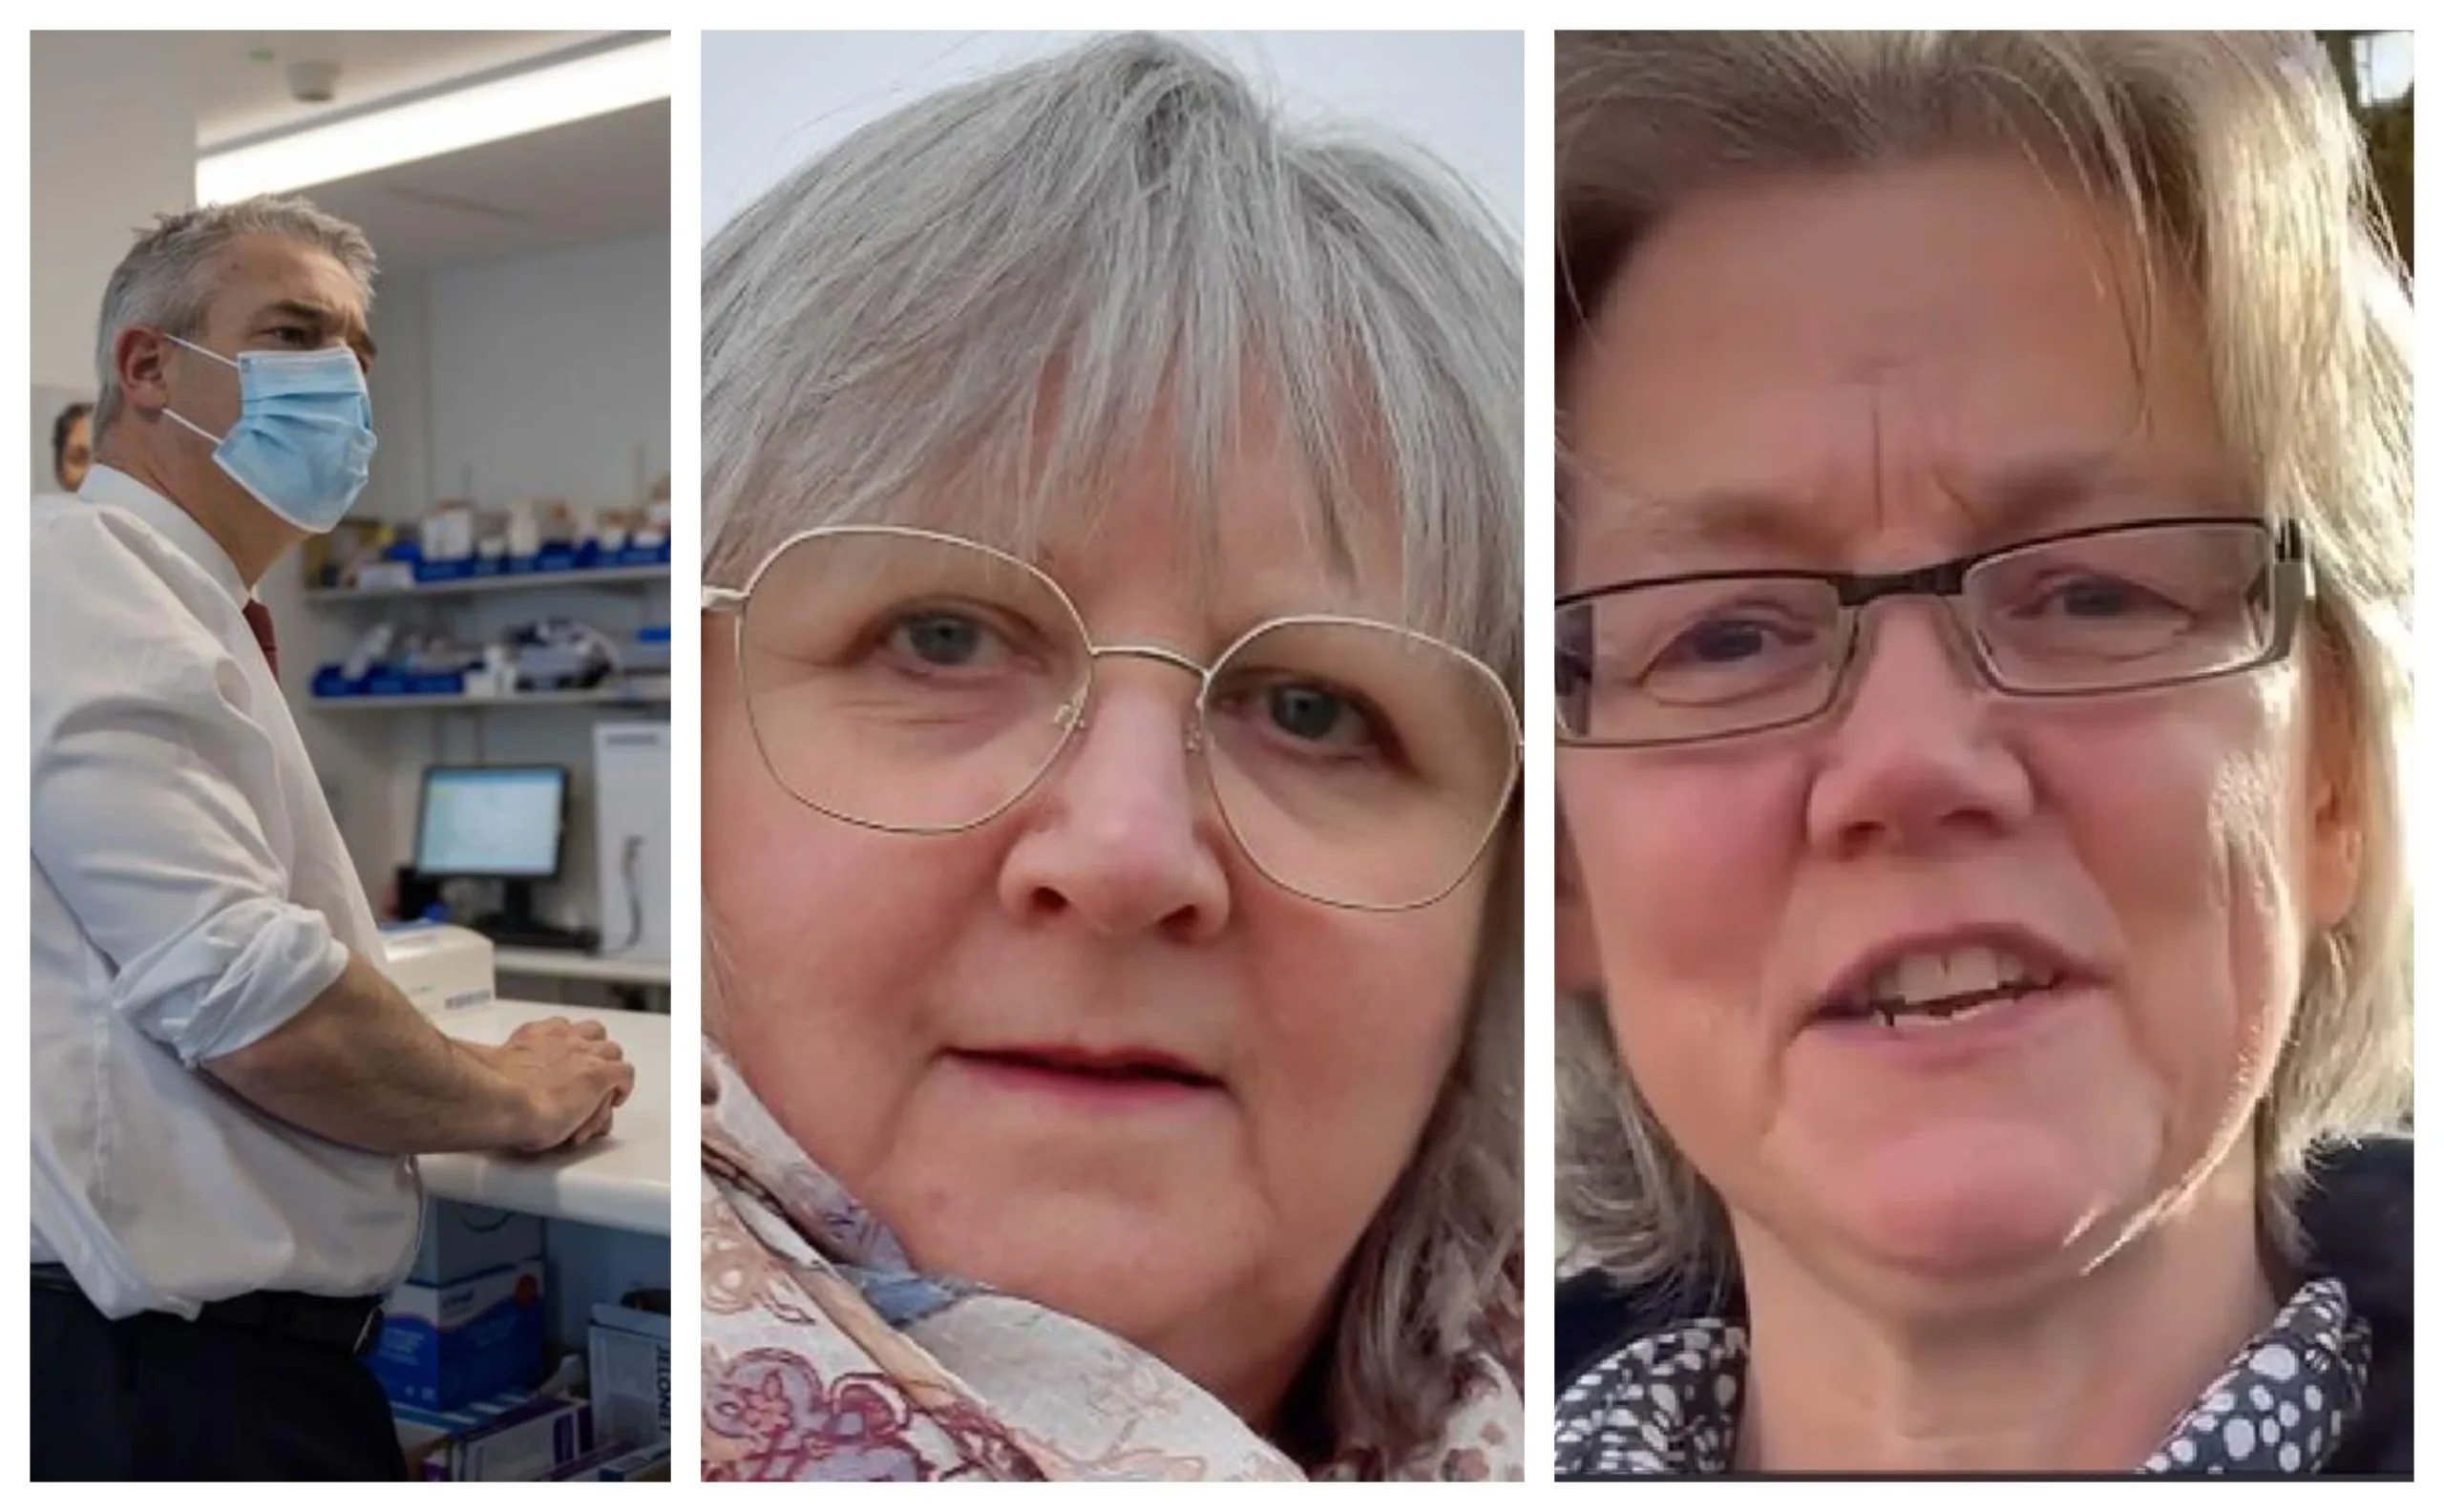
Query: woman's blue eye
{"type": "Point", "coordinates": [1722, 640]}
{"type": "Point", "coordinates": [940, 639]}
{"type": "Point", "coordinates": [2099, 598]}
{"type": "Point", "coordinates": [1307, 712]}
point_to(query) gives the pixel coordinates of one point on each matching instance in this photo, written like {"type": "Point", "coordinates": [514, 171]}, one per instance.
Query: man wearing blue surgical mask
{"type": "Point", "coordinates": [228, 1094]}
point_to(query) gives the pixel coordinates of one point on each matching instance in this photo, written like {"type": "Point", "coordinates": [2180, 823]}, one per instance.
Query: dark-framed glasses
{"type": "Point", "coordinates": [2091, 613]}
{"type": "Point", "coordinates": [918, 683]}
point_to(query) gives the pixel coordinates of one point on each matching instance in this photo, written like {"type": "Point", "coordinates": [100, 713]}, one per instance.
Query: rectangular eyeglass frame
{"type": "Point", "coordinates": [2289, 564]}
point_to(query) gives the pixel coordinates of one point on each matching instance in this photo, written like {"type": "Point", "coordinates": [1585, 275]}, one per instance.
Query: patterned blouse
{"type": "Point", "coordinates": [1668, 1403]}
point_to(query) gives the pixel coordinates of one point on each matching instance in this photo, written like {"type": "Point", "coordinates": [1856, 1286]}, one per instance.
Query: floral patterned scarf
{"type": "Point", "coordinates": [828, 1357]}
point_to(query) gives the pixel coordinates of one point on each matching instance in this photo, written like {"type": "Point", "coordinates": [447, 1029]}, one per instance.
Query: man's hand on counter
{"type": "Point", "coordinates": [572, 1076]}
{"type": "Point", "coordinates": [361, 1066]}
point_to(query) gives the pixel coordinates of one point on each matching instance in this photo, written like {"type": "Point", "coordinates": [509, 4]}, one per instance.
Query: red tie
{"type": "Point", "coordinates": [258, 620]}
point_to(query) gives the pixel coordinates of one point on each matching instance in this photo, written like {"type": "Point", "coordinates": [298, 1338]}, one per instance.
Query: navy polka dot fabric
{"type": "Point", "coordinates": [2282, 1405]}
{"type": "Point", "coordinates": [1668, 1404]}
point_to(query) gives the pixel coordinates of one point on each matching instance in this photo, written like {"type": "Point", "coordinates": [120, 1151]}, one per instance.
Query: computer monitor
{"type": "Point", "coordinates": [498, 821]}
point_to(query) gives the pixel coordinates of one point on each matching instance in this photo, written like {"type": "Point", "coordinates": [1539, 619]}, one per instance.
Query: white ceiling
{"type": "Point", "coordinates": [239, 94]}
{"type": "Point", "coordinates": [591, 180]}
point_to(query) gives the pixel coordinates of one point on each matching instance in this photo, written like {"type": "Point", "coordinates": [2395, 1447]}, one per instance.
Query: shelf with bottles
{"type": "Point", "coordinates": [547, 661]}
{"type": "Point", "coordinates": [458, 548]}
{"type": "Point", "coordinates": [557, 698]}
{"type": "Point", "coordinates": [510, 579]}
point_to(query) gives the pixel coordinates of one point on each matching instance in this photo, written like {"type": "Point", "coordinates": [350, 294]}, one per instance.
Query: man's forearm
{"type": "Point", "coordinates": [361, 1066]}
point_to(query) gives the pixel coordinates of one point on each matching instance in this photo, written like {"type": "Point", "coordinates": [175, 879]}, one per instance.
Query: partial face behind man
{"type": "Point", "coordinates": [75, 451]}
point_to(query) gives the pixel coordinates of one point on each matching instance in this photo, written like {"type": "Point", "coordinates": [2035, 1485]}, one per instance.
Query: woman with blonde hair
{"type": "Point", "coordinates": [1981, 643]}
{"type": "Point", "coordinates": [1110, 841]}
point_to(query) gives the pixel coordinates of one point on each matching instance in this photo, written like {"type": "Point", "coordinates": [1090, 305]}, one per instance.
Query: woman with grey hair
{"type": "Point", "coordinates": [1111, 852]}
{"type": "Point", "coordinates": [1984, 576]}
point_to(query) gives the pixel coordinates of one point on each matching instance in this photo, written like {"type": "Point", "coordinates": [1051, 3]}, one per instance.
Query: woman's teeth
{"type": "Point", "coordinates": [1948, 985]}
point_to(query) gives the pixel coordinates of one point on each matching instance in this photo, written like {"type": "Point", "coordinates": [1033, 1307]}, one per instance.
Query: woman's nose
{"type": "Point", "coordinates": [1123, 835]}
{"type": "Point", "coordinates": [1914, 762]}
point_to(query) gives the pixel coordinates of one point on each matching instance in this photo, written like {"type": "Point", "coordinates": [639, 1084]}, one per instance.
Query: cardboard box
{"type": "Point", "coordinates": [526, 1443]}
{"type": "Point", "coordinates": [628, 1362]}
{"type": "Point", "coordinates": [426, 1435]}
{"type": "Point", "coordinates": [461, 1241]}
{"type": "Point", "coordinates": [586, 1465]}
{"type": "Point", "coordinates": [649, 1463]}
{"type": "Point", "coordinates": [446, 1346]}
{"type": "Point", "coordinates": [425, 1423]}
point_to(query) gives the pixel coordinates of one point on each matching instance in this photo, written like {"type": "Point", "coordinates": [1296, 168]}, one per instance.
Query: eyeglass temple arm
{"type": "Point", "coordinates": [722, 601]}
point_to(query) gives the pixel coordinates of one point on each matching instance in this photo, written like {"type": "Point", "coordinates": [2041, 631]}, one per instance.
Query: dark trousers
{"type": "Point", "coordinates": [154, 1398]}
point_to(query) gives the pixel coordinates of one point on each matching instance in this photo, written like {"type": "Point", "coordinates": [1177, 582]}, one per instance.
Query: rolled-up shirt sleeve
{"type": "Point", "coordinates": [155, 804]}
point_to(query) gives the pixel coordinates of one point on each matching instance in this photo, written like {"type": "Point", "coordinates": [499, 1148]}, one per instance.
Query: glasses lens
{"type": "Point", "coordinates": [2127, 608]}
{"type": "Point", "coordinates": [1360, 763]}
{"type": "Point", "coordinates": [907, 681]}
{"type": "Point", "coordinates": [1692, 661]}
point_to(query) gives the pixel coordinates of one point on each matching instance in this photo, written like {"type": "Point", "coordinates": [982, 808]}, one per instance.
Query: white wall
{"type": "Point", "coordinates": [113, 145]}
{"type": "Point", "coordinates": [105, 163]}
{"type": "Point", "coordinates": [551, 376]}
{"type": "Point", "coordinates": [772, 100]}
{"type": "Point", "coordinates": [546, 377]}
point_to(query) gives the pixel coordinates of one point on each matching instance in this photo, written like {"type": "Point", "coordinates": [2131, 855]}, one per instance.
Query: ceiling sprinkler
{"type": "Point", "coordinates": [313, 83]}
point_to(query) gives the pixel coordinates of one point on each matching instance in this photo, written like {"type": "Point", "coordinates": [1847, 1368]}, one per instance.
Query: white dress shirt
{"type": "Point", "coordinates": [191, 894]}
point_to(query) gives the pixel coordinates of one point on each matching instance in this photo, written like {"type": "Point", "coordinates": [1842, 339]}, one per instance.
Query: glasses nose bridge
{"type": "Point", "coordinates": [1946, 583]}
{"type": "Point", "coordinates": [1076, 717]}
{"type": "Point", "coordinates": [1147, 651]}
{"type": "Point", "coordinates": [1944, 580]}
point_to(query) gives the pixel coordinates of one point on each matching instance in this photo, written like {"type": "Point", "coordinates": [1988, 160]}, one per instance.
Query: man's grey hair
{"type": "Point", "coordinates": [2235, 159]}
{"type": "Point", "coordinates": [165, 281]}
{"type": "Point", "coordinates": [1004, 291]}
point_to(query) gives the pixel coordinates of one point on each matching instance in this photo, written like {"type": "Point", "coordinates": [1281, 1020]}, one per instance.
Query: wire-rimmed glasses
{"type": "Point", "coordinates": [2117, 609]}
{"type": "Point", "coordinates": [918, 683]}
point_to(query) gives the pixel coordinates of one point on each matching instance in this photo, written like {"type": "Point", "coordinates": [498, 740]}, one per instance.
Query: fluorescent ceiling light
{"type": "Point", "coordinates": [427, 127]}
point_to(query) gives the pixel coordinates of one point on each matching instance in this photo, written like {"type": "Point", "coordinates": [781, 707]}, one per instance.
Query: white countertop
{"type": "Point", "coordinates": [622, 1180]}
{"type": "Point", "coordinates": [578, 966]}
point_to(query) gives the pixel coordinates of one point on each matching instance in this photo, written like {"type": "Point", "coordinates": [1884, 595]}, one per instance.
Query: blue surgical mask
{"type": "Point", "coordinates": [305, 433]}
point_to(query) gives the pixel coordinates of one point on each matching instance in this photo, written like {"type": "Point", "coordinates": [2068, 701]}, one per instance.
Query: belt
{"type": "Point", "coordinates": [353, 1324]}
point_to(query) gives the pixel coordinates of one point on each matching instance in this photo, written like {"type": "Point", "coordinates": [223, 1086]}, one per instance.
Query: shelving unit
{"type": "Point", "coordinates": [506, 582]}
{"type": "Point", "coordinates": [386, 740]}
{"type": "Point", "coordinates": [339, 601]}
{"type": "Point", "coordinates": [377, 703]}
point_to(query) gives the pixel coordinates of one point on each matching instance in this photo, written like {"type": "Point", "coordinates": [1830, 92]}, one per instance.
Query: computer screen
{"type": "Point", "coordinates": [491, 821]}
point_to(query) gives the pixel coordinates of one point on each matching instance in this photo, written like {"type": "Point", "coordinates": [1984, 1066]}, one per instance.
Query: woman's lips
{"type": "Point", "coordinates": [2006, 1024]}
{"type": "Point", "coordinates": [1115, 1082]}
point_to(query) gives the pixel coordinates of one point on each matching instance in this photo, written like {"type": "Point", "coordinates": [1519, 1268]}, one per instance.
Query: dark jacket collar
{"type": "Point", "coordinates": [2357, 1216]}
